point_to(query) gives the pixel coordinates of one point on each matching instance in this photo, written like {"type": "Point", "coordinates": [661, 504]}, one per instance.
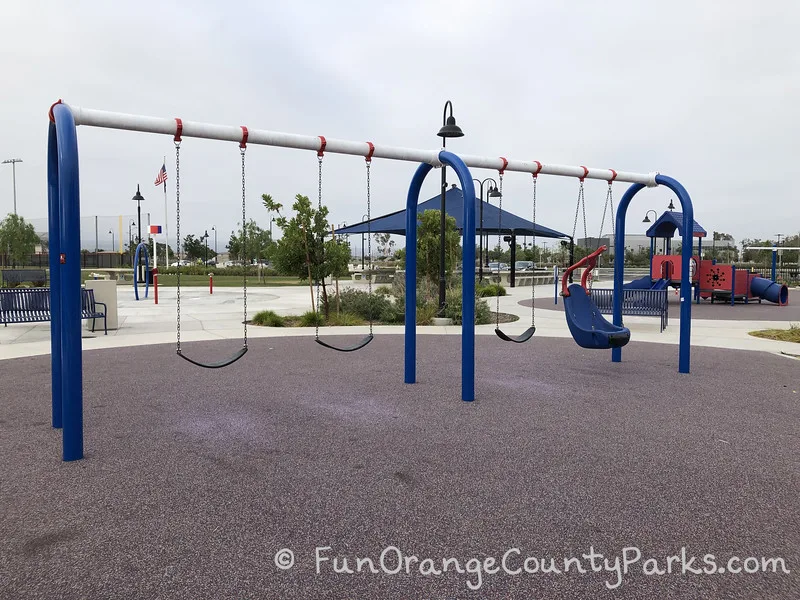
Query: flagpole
{"type": "Point", "coordinates": [166, 227]}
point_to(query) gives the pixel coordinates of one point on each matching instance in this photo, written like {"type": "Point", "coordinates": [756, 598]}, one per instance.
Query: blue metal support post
{"type": "Point", "coordinates": [468, 283]}
{"type": "Point", "coordinates": [69, 281]}
{"type": "Point", "coordinates": [684, 350]}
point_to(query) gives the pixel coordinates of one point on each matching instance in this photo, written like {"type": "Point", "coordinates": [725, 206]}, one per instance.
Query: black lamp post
{"type": "Point", "coordinates": [214, 229]}
{"type": "Point", "coordinates": [671, 205]}
{"type": "Point", "coordinates": [130, 236]}
{"type": "Point", "coordinates": [449, 129]}
{"type": "Point", "coordinates": [138, 199]}
{"type": "Point", "coordinates": [205, 239]}
{"type": "Point", "coordinates": [647, 216]}
{"type": "Point", "coordinates": [363, 218]}
{"type": "Point", "coordinates": [492, 192]}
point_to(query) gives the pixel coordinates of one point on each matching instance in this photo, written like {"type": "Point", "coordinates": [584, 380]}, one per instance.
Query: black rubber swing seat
{"type": "Point", "coordinates": [352, 348]}
{"type": "Point", "coordinates": [219, 364]}
{"type": "Point", "coordinates": [523, 337]}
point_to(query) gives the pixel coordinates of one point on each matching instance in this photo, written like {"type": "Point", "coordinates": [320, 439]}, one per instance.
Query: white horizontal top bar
{"type": "Point", "coordinates": [111, 120]}
{"type": "Point", "coordinates": [771, 248]}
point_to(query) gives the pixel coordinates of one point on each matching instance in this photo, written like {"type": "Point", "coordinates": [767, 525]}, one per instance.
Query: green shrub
{"type": "Point", "coordinates": [383, 290]}
{"type": "Point", "coordinates": [268, 318]}
{"type": "Point", "coordinates": [426, 312]}
{"type": "Point", "coordinates": [345, 319]}
{"type": "Point", "coordinates": [229, 271]}
{"type": "Point", "coordinates": [486, 290]}
{"type": "Point", "coordinates": [453, 308]}
{"type": "Point", "coordinates": [361, 303]}
{"type": "Point", "coordinates": [311, 319]}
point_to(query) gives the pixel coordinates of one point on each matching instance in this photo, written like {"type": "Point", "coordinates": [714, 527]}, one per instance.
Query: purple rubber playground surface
{"type": "Point", "coordinates": [753, 311]}
{"type": "Point", "coordinates": [194, 479]}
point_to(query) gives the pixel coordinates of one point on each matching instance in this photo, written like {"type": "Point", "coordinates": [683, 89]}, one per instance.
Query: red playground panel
{"type": "Point", "coordinates": [668, 266]}
{"type": "Point", "coordinates": [718, 280]}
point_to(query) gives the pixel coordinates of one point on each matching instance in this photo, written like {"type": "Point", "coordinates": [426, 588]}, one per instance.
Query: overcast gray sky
{"type": "Point", "coordinates": [704, 91]}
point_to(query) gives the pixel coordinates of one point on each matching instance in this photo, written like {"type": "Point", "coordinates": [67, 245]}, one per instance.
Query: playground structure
{"type": "Point", "coordinates": [64, 214]}
{"type": "Point", "coordinates": [709, 279]}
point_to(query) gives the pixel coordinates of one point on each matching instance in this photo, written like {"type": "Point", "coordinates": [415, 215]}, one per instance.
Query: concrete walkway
{"type": "Point", "coordinates": [219, 316]}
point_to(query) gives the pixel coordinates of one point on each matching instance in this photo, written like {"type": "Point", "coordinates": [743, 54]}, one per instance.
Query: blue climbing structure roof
{"type": "Point", "coordinates": [666, 225]}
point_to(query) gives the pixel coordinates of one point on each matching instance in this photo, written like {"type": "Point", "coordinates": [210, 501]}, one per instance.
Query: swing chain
{"type": "Point", "coordinates": [533, 241]}
{"type": "Point", "coordinates": [242, 150]}
{"type": "Point", "coordinates": [499, 243]}
{"type": "Point", "coordinates": [319, 210]}
{"type": "Point", "coordinates": [178, 231]}
{"type": "Point", "coordinates": [369, 243]}
{"type": "Point", "coordinates": [577, 208]}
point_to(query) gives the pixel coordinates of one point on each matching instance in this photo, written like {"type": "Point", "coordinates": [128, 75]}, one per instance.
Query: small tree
{"type": "Point", "coordinates": [429, 246]}
{"type": "Point", "coordinates": [256, 246]}
{"type": "Point", "coordinates": [303, 250]}
{"type": "Point", "coordinates": [193, 248]}
{"type": "Point", "coordinates": [385, 245]}
{"type": "Point", "coordinates": [162, 255]}
{"type": "Point", "coordinates": [17, 238]}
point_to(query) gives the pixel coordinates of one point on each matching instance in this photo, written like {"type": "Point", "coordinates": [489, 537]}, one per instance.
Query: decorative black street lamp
{"type": "Point", "coordinates": [449, 130]}
{"type": "Point", "coordinates": [138, 199]}
{"type": "Point", "coordinates": [492, 192]}
{"type": "Point", "coordinates": [647, 217]}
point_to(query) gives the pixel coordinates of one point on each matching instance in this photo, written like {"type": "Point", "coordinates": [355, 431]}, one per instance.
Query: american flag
{"type": "Point", "coordinates": [162, 175]}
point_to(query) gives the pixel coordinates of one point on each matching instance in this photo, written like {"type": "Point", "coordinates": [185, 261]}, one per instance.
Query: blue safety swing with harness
{"type": "Point", "coordinates": [588, 327]}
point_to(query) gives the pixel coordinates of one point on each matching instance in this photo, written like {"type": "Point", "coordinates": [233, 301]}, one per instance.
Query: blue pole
{"type": "Point", "coordinates": [468, 283]}
{"type": "Point", "coordinates": [619, 260]}
{"type": "Point", "coordinates": [70, 283]}
{"type": "Point", "coordinates": [54, 246]}
{"type": "Point", "coordinates": [411, 273]}
{"type": "Point", "coordinates": [468, 280]}
{"type": "Point", "coordinates": [684, 349]}
{"type": "Point", "coordinates": [141, 247]}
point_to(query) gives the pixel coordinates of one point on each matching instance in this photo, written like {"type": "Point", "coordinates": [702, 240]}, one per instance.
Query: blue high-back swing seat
{"type": "Point", "coordinates": [588, 327]}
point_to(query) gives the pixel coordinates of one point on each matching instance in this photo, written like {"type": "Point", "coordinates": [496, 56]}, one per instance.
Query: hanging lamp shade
{"type": "Point", "coordinates": [450, 129]}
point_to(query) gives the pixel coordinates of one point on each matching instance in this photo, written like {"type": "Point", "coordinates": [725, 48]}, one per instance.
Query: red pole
{"type": "Point", "coordinates": [155, 284]}
{"type": "Point", "coordinates": [210, 283]}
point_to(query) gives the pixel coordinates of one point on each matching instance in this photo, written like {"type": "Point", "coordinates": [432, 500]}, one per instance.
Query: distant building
{"type": "Point", "coordinates": [637, 242]}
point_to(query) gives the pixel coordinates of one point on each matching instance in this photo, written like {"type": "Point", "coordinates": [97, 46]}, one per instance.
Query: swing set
{"type": "Point", "coordinates": [64, 220]}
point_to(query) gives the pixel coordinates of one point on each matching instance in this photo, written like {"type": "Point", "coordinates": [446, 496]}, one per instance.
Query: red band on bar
{"type": "Point", "coordinates": [505, 164]}
{"type": "Point", "coordinates": [50, 112]}
{"type": "Point", "coordinates": [538, 168]}
{"type": "Point", "coordinates": [243, 143]}
{"type": "Point", "coordinates": [322, 143]}
{"type": "Point", "coordinates": [585, 172]}
{"type": "Point", "coordinates": [613, 176]}
{"type": "Point", "coordinates": [178, 129]}
{"type": "Point", "coordinates": [371, 151]}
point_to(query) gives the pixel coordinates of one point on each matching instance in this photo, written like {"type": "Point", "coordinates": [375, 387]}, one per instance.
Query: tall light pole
{"type": "Point", "coordinates": [780, 254]}
{"type": "Point", "coordinates": [214, 229]}
{"type": "Point", "coordinates": [493, 192]}
{"type": "Point", "coordinates": [13, 162]}
{"type": "Point", "coordinates": [137, 197]}
{"type": "Point", "coordinates": [205, 238]}
{"type": "Point", "coordinates": [449, 129]}
{"type": "Point", "coordinates": [111, 231]}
